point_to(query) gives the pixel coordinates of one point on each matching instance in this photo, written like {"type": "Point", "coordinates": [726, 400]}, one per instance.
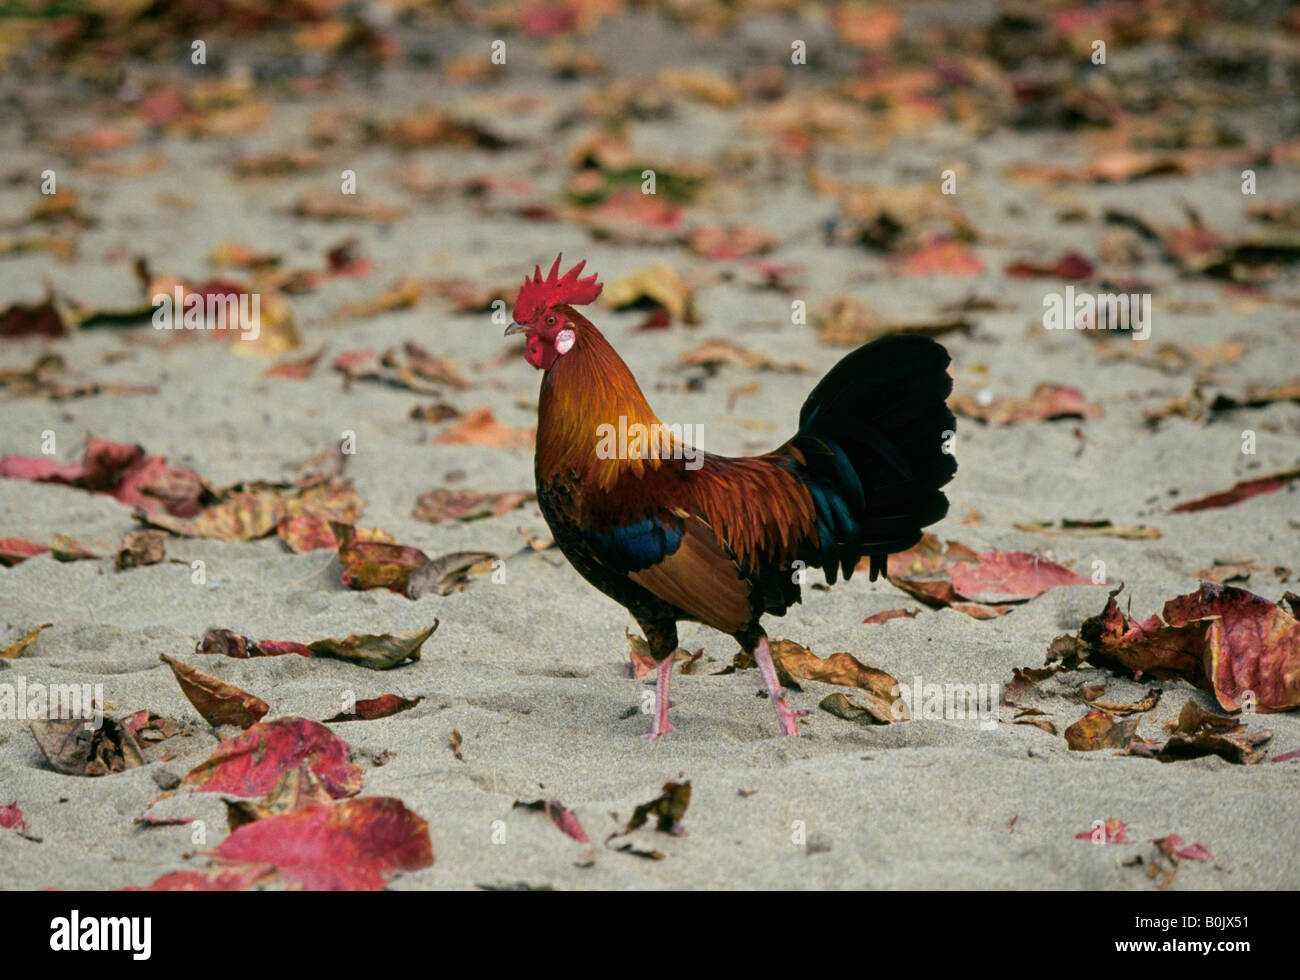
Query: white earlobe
{"type": "Point", "coordinates": [564, 341]}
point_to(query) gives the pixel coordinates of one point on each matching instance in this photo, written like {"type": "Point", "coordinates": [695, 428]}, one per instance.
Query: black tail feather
{"type": "Point", "coordinates": [873, 434]}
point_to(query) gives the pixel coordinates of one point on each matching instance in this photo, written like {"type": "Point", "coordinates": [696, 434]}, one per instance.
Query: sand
{"type": "Point", "coordinates": [533, 672]}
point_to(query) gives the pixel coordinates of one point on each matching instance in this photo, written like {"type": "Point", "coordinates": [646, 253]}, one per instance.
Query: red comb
{"type": "Point", "coordinates": [537, 295]}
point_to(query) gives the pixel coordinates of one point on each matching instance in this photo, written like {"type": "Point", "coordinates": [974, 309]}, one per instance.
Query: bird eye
{"type": "Point", "coordinates": [550, 319]}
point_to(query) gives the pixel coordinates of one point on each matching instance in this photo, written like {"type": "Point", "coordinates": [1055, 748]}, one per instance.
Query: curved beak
{"type": "Point", "coordinates": [515, 328]}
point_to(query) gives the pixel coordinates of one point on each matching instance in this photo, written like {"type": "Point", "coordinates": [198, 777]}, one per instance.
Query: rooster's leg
{"type": "Point", "coordinates": [784, 713]}
{"type": "Point", "coordinates": [662, 724]}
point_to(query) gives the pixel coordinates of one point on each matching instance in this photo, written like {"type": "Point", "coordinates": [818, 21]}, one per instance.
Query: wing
{"type": "Point", "coordinates": [716, 541]}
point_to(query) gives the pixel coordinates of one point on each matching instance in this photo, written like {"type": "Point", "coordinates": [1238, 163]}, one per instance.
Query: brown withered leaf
{"type": "Point", "coordinates": [481, 428]}
{"type": "Point", "coordinates": [146, 726]}
{"type": "Point", "coordinates": [1221, 638]}
{"type": "Point", "coordinates": [846, 321]}
{"type": "Point", "coordinates": [1032, 716]}
{"type": "Point", "coordinates": [1098, 730]}
{"type": "Point", "coordinates": [656, 285]}
{"type": "Point", "coordinates": [1146, 703]}
{"type": "Point", "coordinates": [1223, 572]}
{"type": "Point", "coordinates": [218, 702]}
{"type": "Point", "coordinates": [716, 353]}
{"type": "Point", "coordinates": [141, 548]}
{"type": "Point", "coordinates": [297, 369]}
{"type": "Point", "coordinates": [1198, 733]}
{"type": "Point", "coordinates": [77, 747]}
{"type": "Point", "coordinates": [448, 573]}
{"type": "Point", "coordinates": [434, 126]}
{"type": "Point", "coordinates": [329, 204]}
{"type": "Point", "coordinates": [667, 810]}
{"type": "Point", "coordinates": [443, 504]}
{"type": "Point", "coordinates": [793, 660]}
{"type": "Point", "coordinates": [376, 564]}
{"type": "Point", "coordinates": [1090, 529]}
{"type": "Point", "coordinates": [15, 650]}
{"type": "Point", "coordinates": [1194, 720]}
{"type": "Point", "coordinates": [866, 708]}
{"type": "Point", "coordinates": [377, 651]}
{"type": "Point", "coordinates": [720, 242]}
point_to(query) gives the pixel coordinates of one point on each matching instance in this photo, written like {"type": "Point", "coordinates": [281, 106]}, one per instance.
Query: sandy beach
{"type": "Point", "coordinates": [529, 665]}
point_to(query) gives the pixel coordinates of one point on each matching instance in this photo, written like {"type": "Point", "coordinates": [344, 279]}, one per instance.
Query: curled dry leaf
{"type": "Point", "coordinates": [376, 564]}
{"type": "Point", "coordinates": [141, 548]}
{"type": "Point", "coordinates": [368, 709]}
{"type": "Point", "coordinates": [658, 285]}
{"type": "Point", "coordinates": [716, 353]}
{"type": "Point", "coordinates": [1221, 638]}
{"type": "Point", "coordinates": [85, 747]}
{"type": "Point", "coordinates": [380, 651]}
{"type": "Point", "coordinates": [562, 818]}
{"type": "Point", "coordinates": [865, 708]}
{"type": "Point", "coordinates": [1172, 847]}
{"type": "Point", "coordinates": [1098, 730]}
{"type": "Point", "coordinates": [666, 809]}
{"type": "Point", "coordinates": [1090, 529]}
{"type": "Point", "coordinates": [218, 702]}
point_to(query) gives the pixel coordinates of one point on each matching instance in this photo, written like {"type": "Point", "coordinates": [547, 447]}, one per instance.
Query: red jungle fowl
{"type": "Point", "coordinates": [675, 534]}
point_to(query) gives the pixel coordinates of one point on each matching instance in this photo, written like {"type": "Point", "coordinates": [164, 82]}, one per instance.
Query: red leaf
{"type": "Point", "coordinates": [122, 471]}
{"type": "Point", "coordinates": [1115, 832]}
{"type": "Point", "coordinates": [1071, 265]}
{"type": "Point", "coordinates": [1240, 491]}
{"type": "Point", "coordinates": [561, 817]}
{"type": "Point", "coordinates": [14, 551]}
{"type": "Point", "coordinates": [11, 818]}
{"type": "Point", "coordinates": [1172, 847]}
{"type": "Point", "coordinates": [889, 614]}
{"type": "Point", "coordinates": [252, 763]}
{"type": "Point", "coordinates": [350, 846]}
{"type": "Point", "coordinates": [217, 880]}
{"type": "Point", "coordinates": [943, 256]}
{"type": "Point", "coordinates": [380, 707]}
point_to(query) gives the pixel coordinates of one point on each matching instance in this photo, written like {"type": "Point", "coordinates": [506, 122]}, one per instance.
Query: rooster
{"type": "Point", "coordinates": [675, 534]}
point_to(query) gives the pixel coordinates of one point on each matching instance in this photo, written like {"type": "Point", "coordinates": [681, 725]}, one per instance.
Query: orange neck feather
{"type": "Point", "coordinates": [586, 388]}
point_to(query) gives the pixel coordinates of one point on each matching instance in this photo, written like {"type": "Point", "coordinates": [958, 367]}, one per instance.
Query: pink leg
{"type": "Point", "coordinates": [662, 725]}
{"type": "Point", "coordinates": [784, 713]}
